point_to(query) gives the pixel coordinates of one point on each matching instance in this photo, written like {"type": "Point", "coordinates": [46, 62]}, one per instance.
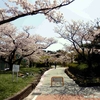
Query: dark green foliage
{"type": "Point", "coordinates": [96, 41]}
{"type": "Point", "coordinates": [78, 69]}
{"type": "Point", "coordinates": [39, 65]}
{"type": "Point", "coordinates": [83, 76]}
{"type": "Point", "coordinates": [93, 59]}
{"type": "Point", "coordinates": [81, 59]}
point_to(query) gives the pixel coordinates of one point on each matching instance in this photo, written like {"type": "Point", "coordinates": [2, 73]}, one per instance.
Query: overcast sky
{"type": "Point", "coordinates": [78, 10]}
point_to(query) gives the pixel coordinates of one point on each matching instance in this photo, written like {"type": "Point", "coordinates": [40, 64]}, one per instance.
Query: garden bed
{"type": "Point", "coordinates": [83, 81]}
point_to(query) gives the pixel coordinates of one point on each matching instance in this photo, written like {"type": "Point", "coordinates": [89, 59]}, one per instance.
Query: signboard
{"type": "Point", "coordinates": [56, 79]}
{"type": "Point", "coordinates": [15, 68]}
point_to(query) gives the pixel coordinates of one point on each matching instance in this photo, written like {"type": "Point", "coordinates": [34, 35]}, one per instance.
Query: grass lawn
{"type": "Point", "coordinates": [9, 87]}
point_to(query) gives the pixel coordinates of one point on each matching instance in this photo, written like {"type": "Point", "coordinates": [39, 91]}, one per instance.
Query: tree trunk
{"type": "Point", "coordinates": [10, 66]}
{"type": "Point", "coordinates": [30, 64]}
{"type": "Point", "coordinates": [19, 61]}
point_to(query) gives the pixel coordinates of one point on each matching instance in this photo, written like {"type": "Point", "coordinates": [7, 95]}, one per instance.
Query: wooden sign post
{"type": "Point", "coordinates": [56, 79]}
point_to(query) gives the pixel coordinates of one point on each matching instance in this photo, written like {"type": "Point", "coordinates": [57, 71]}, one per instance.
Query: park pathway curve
{"type": "Point", "coordinates": [70, 87]}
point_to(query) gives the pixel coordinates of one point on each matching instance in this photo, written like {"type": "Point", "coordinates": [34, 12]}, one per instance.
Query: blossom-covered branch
{"type": "Point", "coordinates": [24, 8]}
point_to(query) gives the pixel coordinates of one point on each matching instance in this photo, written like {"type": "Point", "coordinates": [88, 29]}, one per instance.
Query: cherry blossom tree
{"type": "Point", "coordinates": [40, 56]}
{"type": "Point", "coordinates": [58, 57]}
{"type": "Point", "coordinates": [70, 53]}
{"type": "Point", "coordinates": [80, 35]}
{"type": "Point", "coordinates": [20, 8]}
{"type": "Point", "coordinates": [36, 58]}
{"type": "Point", "coordinates": [14, 45]}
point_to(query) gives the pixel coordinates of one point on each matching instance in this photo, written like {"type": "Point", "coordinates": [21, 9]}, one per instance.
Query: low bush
{"type": "Point", "coordinates": [80, 75]}
{"type": "Point", "coordinates": [78, 69]}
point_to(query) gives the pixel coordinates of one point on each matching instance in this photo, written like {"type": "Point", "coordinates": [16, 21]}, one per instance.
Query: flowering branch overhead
{"type": "Point", "coordinates": [23, 8]}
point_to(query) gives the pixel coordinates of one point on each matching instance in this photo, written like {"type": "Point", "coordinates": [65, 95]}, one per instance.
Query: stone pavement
{"type": "Point", "coordinates": [70, 87]}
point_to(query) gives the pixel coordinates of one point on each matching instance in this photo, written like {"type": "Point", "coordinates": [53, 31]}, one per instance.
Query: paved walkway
{"type": "Point", "coordinates": [70, 87]}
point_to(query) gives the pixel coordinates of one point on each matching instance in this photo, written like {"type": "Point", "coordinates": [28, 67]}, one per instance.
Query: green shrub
{"type": "Point", "coordinates": [74, 65]}
{"type": "Point", "coordinates": [78, 69]}
{"type": "Point", "coordinates": [82, 66]}
{"type": "Point", "coordinates": [77, 66]}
